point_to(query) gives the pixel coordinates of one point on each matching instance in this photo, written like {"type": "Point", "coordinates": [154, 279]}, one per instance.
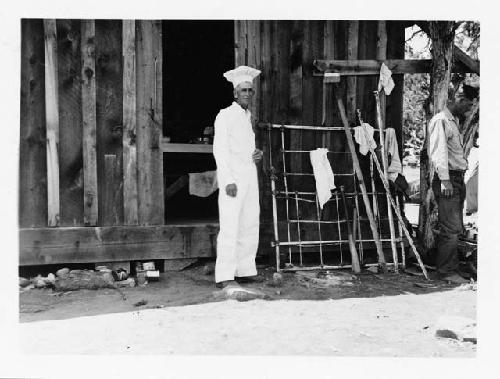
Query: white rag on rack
{"type": "Point", "coordinates": [385, 80]}
{"type": "Point", "coordinates": [364, 137]}
{"type": "Point", "coordinates": [323, 175]}
{"type": "Point", "coordinates": [391, 148]}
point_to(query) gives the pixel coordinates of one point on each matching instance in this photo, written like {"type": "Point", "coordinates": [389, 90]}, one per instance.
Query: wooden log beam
{"type": "Point", "coordinates": [52, 118]}
{"type": "Point", "coordinates": [90, 212]}
{"type": "Point", "coordinates": [130, 208]}
{"type": "Point", "coordinates": [32, 157]}
{"type": "Point", "coordinates": [461, 56]}
{"type": "Point", "coordinates": [115, 243]}
{"type": "Point", "coordinates": [354, 67]}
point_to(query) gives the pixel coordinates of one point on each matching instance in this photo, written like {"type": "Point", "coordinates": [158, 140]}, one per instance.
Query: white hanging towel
{"type": "Point", "coordinates": [323, 175]}
{"type": "Point", "coordinates": [391, 148]}
{"type": "Point", "coordinates": [385, 80]}
{"type": "Point", "coordinates": [364, 137]}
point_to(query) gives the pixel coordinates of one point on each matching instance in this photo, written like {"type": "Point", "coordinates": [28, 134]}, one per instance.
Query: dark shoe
{"type": "Point", "coordinates": [454, 278]}
{"type": "Point", "coordinates": [250, 279]}
{"type": "Point", "coordinates": [225, 284]}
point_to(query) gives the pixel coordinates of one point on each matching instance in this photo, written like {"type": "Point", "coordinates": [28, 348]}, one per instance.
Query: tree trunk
{"type": "Point", "coordinates": [442, 34]}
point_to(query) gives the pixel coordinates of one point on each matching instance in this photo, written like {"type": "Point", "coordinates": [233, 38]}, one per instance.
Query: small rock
{"type": "Point", "coordinates": [277, 279]}
{"type": "Point", "coordinates": [140, 303]}
{"type": "Point", "coordinates": [62, 273]}
{"type": "Point", "coordinates": [39, 282]}
{"type": "Point", "coordinates": [23, 282]}
{"type": "Point", "coordinates": [51, 278]}
{"type": "Point", "coordinates": [456, 327]}
{"type": "Point", "coordinates": [373, 269]}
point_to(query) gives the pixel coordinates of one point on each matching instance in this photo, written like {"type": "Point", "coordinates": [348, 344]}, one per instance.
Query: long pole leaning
{"type": "Point", "coordinates": [385, 167]}
{"type": "Point", "coordinates": [396, 210]}
{"type": "Point", "coordinates": [359, 174]}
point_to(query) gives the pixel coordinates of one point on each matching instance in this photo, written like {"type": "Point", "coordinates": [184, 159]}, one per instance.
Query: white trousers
{"type": "Point", "coordinates": [238, 237]}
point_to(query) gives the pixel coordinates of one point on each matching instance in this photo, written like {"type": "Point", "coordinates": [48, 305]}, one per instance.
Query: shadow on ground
{"type": "Point", "coordinates": [193, 286]}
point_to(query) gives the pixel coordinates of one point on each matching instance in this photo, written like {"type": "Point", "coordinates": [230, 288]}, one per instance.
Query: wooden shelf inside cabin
{"type": "Point", "coordinates": [168, 147]}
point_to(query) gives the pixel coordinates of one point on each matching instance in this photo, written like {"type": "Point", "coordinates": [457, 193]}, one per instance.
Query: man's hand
{"type": "Point", "coordinates": [446, 188]}
{"type": "Point", "coordinates": [257, 155]}
{"type": "Point", "coordinates": [231, 190]}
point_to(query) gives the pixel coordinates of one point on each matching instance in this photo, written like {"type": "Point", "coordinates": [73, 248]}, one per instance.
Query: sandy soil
{"type": "Point", "coordinates": [369, 315]}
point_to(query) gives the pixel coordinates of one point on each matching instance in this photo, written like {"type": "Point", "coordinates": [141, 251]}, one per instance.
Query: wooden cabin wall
{"type": "Point", "coordinates": [73, 76]}
{"type": "Point", "coordinates": [289, 93]}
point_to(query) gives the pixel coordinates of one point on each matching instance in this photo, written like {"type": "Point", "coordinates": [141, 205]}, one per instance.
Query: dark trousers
{"type": "Point", "coordinates": [450, 220]}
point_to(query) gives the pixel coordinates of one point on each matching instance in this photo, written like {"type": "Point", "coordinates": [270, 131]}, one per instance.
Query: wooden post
{"type": "Point", "coordinates": [130, 210]}
{"type": "Point", "coordinates": [33, 151]}
{"type": "Point", "coordinates": [89, 123]}
{"type": "Point", "coordinates": [442, 34]}
{"type": "Point", "coordinates": [380, 106]}
{"type": "Point", "coordinates": [359, 174]}
{"type": "Point", "coordinates": [52, 117]}
{"type": "Point", "coordinates": [386, 177]}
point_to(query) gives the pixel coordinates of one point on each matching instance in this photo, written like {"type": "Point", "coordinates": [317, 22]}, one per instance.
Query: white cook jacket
{"type": "Point", "coordinates": [237, 242]}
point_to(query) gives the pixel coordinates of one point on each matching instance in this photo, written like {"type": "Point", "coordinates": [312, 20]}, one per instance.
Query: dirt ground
{"type": "Point", "coordinates": [363, 315]}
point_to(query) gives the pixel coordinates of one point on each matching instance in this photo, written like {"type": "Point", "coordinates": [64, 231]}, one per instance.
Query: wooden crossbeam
{"type": "Point", "coordinates": [372, 66]}
{"type": "Point", "coordinates": [115, 243]}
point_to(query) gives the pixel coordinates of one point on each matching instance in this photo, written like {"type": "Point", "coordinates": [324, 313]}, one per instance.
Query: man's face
{"type": "Point", "coordinates": [243, 94]}
{"type": "Point", "coordinates": [462, 106]}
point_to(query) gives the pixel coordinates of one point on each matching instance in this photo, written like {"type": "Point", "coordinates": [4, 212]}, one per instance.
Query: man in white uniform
{"type": "Point", "coordinates": [236, 158]}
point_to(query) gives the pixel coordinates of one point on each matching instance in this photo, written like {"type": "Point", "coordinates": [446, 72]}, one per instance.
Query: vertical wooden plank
{"type": "Point", "coordinates": [382, 55]}
{"type": "Point", "coordinates": [129, 125]}
{"type": "Point", "coordinates": [241, 42]}
{"type": "Point", "coordinates": [394, 102]}
{"type": "Point", "coordinates": [296, 47]}
{"type": "Point", "coordinates": [109, 106]}
{"type": "Point", "coordinates": [52, 119]}
{"type": "Point", "coordinates": [70, 122]}
{"type": "Point", "coordinates": [158, 214]}
{"type": "Point", "coordinates": [149, 157]}
{"type": "Point", "coordinates": [32, 157]}
{"type": "Point", "coordinates": [90, 213]}
{"type": "Point", "coordinates": [367, 49]}
{"type": "Point", "coordinates": [352, 53]}
{"type": "Point", "coordinates": [328, 103]}
{"type": "Point", "coordinates": [110, 198]}
{"type": "Point", "coordinates": [254, 61]}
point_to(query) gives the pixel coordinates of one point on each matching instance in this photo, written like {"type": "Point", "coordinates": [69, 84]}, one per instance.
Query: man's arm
{"type": "Point", "coordinates": [438, 154]}
{"type": "Point", "coordinates": [222, 157]}
{"type": "Point", "coordinates": [438, 148]}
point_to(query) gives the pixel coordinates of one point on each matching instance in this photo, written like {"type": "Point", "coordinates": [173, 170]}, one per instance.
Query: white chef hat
{"type": "Point", "coordinates": [241, 74]}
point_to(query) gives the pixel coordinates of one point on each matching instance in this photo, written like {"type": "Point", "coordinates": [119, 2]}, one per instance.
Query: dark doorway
{"type": "Point", "coordinates": [195, 55]}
